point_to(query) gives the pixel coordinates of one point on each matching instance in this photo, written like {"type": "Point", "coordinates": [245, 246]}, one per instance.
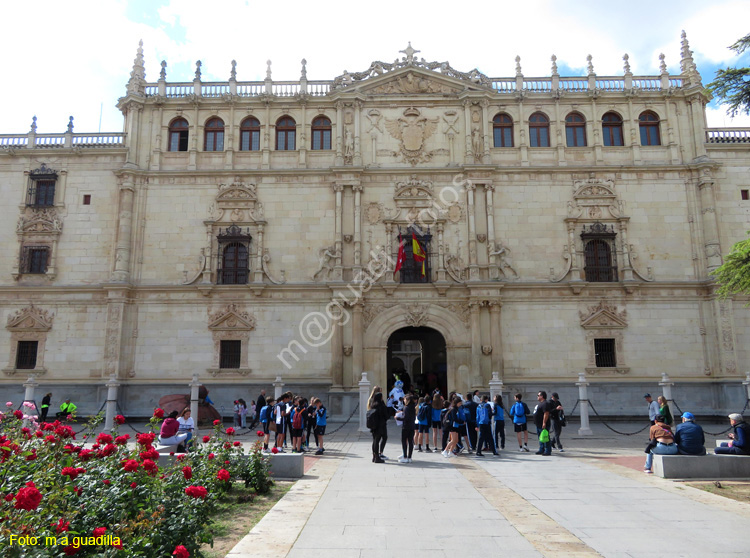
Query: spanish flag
{"type": "Point", "coordinates": [419, 255]}
{"type": "Point", "coordinates": [401, 255]}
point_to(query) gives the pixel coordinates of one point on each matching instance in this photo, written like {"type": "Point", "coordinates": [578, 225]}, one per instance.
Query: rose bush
{"type": "Point", "coordinates": [51, 486]}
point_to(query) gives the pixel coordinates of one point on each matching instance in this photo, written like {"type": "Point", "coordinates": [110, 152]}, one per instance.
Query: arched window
{"type": "Point", "coordinates": [538, 130]}
{"type": "Point", "coordinates": [286, 133]}
{"type": "Point", "coordinates": [649, 125]}
{"type": "Point", "coordinates": [234, 264]}
{"type": "Point", "coordinates": [178, 135]}
{"type": "Point", "coordinates": [502, 130]}
{"type": "Point", "coordinates": [575, 130]}
{"type": "Point", "coordinates": [598, 253]}
{"type": "Point", "coordinates": [214, 135]}
{"type": "Point", "coordinates": [612, 129]}
{"type": "Point", "coordinates": [250, 134]}
{"type": "Point", "coordinates": [321, 133]}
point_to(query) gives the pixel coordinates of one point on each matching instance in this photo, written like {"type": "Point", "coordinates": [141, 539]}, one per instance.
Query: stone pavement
{"type": "Point", "coordinates": [577, 503]}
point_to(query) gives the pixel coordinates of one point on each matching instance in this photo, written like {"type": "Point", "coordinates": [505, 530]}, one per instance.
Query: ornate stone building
{"type": "Point", "coordinates": [245, 230]}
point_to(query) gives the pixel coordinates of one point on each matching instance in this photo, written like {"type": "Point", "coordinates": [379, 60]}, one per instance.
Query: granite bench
{"type": "Point", "coordinates": [708, 466]}
{"type": "Point", "coordinates": [281, 465]}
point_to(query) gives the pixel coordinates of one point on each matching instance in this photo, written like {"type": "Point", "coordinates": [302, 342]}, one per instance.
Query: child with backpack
{"type": "Point", "coordinates": [320, 425]}
{"type": "Point", "coordinates": [298, 425]}
{"type": "Point", "coordinates": [455, 418]}
{"type": "Point", "coordinates": [424, 417]}
{"type": "Point", "coordinates": [484, 426]}
{"type": "Point", "coordinates": [518, 413]}
{"type": "Point", "coordinates": [265, 416]}
{"type": "Point", "coordinates": [407, 429]}
{"type": "Point", "coordinates": [499, 414]}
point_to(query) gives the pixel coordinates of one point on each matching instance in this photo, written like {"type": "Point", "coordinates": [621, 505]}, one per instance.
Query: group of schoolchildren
{"type": "Point", "coordinates": [293, 418]}
{"type": "Point", "coordinates": [472, 424]}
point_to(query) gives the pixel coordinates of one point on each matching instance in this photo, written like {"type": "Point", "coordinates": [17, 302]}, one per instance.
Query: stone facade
{"type": "Point", "coordinates": [133, 242]}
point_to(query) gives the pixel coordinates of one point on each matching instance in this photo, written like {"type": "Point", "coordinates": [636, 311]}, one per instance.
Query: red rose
{"type": "Point", "coordinates": [28, 498]}
{"type": "Point", "coordinates": [211, 456]}
{"type": "Point", "coordinates": [133, 484]}
{"type": "Point", "coordinates": [181, 552]}
{"type": "Point", "coordinates": [206, 439]}
{"type": "Point", "coordinates": [61, 526]}
{"type": "Point", "coordinates": [117, 545]}
{"type": "Point", "coordinates": [223, 475]}
{"type": "Point", "coordinates": [109, 449]}
{"type": "Point", "coordinates": [274, 450]}
{"type": "Point", "coordinates": [230, 431]}
{"type": "Point", "coordinates": [196, 491]}
{"type": "Point", "coordinates": [86, 454]}
{"type": "Point", "coordinates": [122, 440]}
{"type": "Point", "coordinates": [78, 490]}
{"type": "Point", "coordinates": [72, 472]}
{"type": "Point", "coordinates": [235, 444]}
{"type": "Point", "coordinates": [18, 414]}
{"type": "Point", "coordinates": [107, 482]}
{"type": "Point", "coordinates": [150, 453]}
{"type": "Point", "coordinates": [32, 456]}
{"type": "Point", "coordinates": [9, 497]}
{"type": "Point", "coordinates": [188, 472]}
{"type": "Point", "coordinates": [150, 466]}
{"type": "Point", "coordinates": [260, 433]}
{"type": "Point", "coordinates": [119, 419]}
{"type": "Point", "coordinates": [146, 440]}
{"type": "Point", "coordinates": [130, 465]}
{"type": "Point", "coordinates": [99, 531]}
{"type": "Point", "coordinates": [226, 462]}
{"type": "Point", "coordinates": [49, 438]}
{"type": "Point", "coordinates": [227, 445]}
{"type": "Point", "coordinates": [103, 438]}
{"type": "Point", "coordinates": [70, 550]}
{"type": "Point", "coordinates": [159, 413]}
{"type": "Point", "coordinates": [217, 422]}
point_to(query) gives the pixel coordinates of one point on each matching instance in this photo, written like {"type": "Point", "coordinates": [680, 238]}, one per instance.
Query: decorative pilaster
{"type": "Point", "coordinates": [357, 189]}
{"type": "Point", "coordinates": [337, 354]}
{"type": "Point", "coordinates": [475, 380]}
{"type": "Point", "coordinates": [712, 245]}
{"type": "Point", "coordinates": [339, 134]}
{"type": "Point", "coordinates": [357, 131]}
{"type": "Point", "coordinates": [258, 273]}
{"type": "Point", "coordinates": [490, 210]}
{"type": "Point", "coordinates": [473, 266]}
{"type": "Point", "coordinates": [357, 343]}
{"type": "Point", "coordinates": [441, 253]}
{"type": "Point", "coordinates": [121, 271]}
{"type": "Point", "coordinates": [338, 240]}
{"type": "Point", "coordinates": [486, 127]}
{"type": "Point", "coordinates": [496, 357]}
{"type": "Point", "coordinates": [268, 130]}
{"type": "Point", "coordinates": [468, 154]}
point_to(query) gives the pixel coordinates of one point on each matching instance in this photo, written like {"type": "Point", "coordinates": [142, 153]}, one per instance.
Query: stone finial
{"type": "Point", "coordinates": [137, 82]}
{"type": "Point", "coordinates": [687, 64]}
{"type": "Point", "coordinates": [662, 65]}
{"type": "Point", "coordinates": [233, 71]}
{"type": "Point", "coordinates": [33, 124]}
{"type": "Point", "coordinates": [590, 65]}
{"type": "Point", "coordinates": [268, 70]}
{"type": "Point", "coordinates": [518, 66]}
{"type": "Point", "coordinates": [626, 66]}
{"type": "Point", "coordinates": [304, 69]}
{"type": "Point", "coordinates": [198, 65]}
{"type": "Point", "coordinates": [409, 52]}
{"type": "Point", "coordinates": [163, 72]}
{"type": "Point", "coordinates": [554, 65]}
{"type": "Point", "coordinates": [70, 125]}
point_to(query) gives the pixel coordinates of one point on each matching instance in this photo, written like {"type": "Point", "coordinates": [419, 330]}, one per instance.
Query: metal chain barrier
{"type": "Point", "coordinates": [87, 426]}
{"type": "Point", "coordinates": [742, 412]}
{"type": "Point", "coordinates": [127, 421]}
{"type": "Point", "coordinates": [612, 429]}
{"type": "Point", "coordinates": [342, 425]}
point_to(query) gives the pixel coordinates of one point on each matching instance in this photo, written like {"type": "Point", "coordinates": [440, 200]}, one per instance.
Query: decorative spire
{"type": "Point", "coordinates": [590, 65]}
{"type": "Point", "coordinates": [409, 52]}
{"type": "Point", "coordinates": [304, 69]}
{"type": "Point", "coordinates": [268, 70]}
{"type": "Point", "coordinates": [70, 125]}
{"type": "Point", "coordinates": [163, 73]}
{"type": "Point", "coordinates": [33, 124]}
{"type": "Point", "coordinates": [554, 65]}
{"type": "Point", "coordinates": [233, 72]}
{"type": "Point", "coordinates": [662, 65]}
{"type": "Point", "coordinates": [518, 66]}
{"type": "Point", "coordinates": [137, 82]}
{"type": "Point", "coordinates": [687, 64]}
{"type": "Point", "coordinates": [198, 65]}
{"type": "Point", "coordinates": [626, 66]}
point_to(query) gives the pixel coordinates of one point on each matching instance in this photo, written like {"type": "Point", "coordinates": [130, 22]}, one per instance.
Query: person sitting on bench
{"type": "Point", "coordinates": [740, 444]}
{"type": "Point", "coordinates": [689, 436]}
{"type": "Point", "coordinates": [169, 435]}
{"type": "Point", "coordinates": [66, 408]}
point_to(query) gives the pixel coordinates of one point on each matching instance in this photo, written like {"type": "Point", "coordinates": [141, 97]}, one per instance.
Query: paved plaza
{"type": "Point", "coordinates": [591, 500]}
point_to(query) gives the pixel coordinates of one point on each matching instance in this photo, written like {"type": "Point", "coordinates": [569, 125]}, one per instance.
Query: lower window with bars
{"type": "Point", "coordinates": [26, 355]}
{"type": "Point", "coordinates": [604, 349]}
{"type": "Point", "coordinates": [229, 354]}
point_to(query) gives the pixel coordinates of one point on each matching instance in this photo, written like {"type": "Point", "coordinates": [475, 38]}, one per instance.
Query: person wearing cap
{"type": "Point", "coordinates": [740, 444]}
{"type": "Point", "coordinates": [653, 408]}
{"type": "Point", "coordinates": [689, 436]}
{"type": "Point", "coordinates": [662, 434]}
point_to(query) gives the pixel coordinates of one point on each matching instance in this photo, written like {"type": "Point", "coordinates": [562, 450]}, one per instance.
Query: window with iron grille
{"type": "Point", "coordinates": [234, 256]}
{"type": "Point", "coordinates": [34, 259]}
{"type": "Point", "coordinates": [229, 354]}
{"type": "Point", "coordinates": [26, 355]}
{"type": "Point", "coordinates": [412, 270]}
{"type": "Point", "coordinates": [600, 263]}
{"type": "Point", "coordinates": [41, 192]}
{"type": "Point", "coordinates": [604, 349]}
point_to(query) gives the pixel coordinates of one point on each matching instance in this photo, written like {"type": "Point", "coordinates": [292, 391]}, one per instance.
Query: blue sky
{"type": "Point", "coordinates": [74, 58]}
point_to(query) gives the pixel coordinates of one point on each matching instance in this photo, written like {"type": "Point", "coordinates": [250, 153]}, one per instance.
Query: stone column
{"type": "Point", "coordinates": [194, 387]}
{"type": "Point", "coordinates": [496, 385]}
{"type": "Point", "coordinates": [278, 388]}
{"type": "Point", "coordinates": [267, 131]}
{"type": "Point", "coordinates": [485, 130]}
{"type": "Point", "coordinates": [302, 138]}
{"type": "Point", "coordinates": [699, 131]}
{"type": "Point", "coordinates": [468, 156]}
{"type": "Point", "coordinates": [710, 225]}
{"type": "Point", "coordinates": [124, 231]}
{"type": "Point", "coordinates": [337, 269]}
{"type": "Point", "coordinates": [357, 149]}
{"type": "Point", "coordinates": [746, 383]}
{"type": "Point", "coordinates": [339, 134]}
{"type": "Point", "coordinates": [627, 265]}
{"type": "Point", "coordinates": [575, 271]}
{"type": "Point", "coordinates": [488, 191]}
{"type": "Point", "coordinates": [470, 210]}
{"type": "Point", "coordinates": [364, 394]}
{"type": "Point", "coordinates": [388, 247]}
{"type": "Point", "coordinates": [337, 356]}
{"type": "Point", "coordinates": [666, 389]}
{"type": "Point", "coordinates": [357, 189]}
{"type": "Point", "coordinates": [111, 409]}
{"type": "Point", "coordinates": [258, 272]}
{"type": "Point", "coordinates": [583, 396]}
{"type": "Point", "coordinates": [441, 253]}
{"type": "Point", "coordinates": [31, 384]}
{"type": "Point", "coordinates": [475, 381]}
{"type": "Point", "coordinates": [134, 113]}
{"type": "Point", "coordinates": [496, 359]}
{"type": "Point", "coordinates": [357, 342]}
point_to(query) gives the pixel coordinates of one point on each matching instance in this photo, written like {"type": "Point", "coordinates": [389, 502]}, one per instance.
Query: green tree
{"type": "Point", "coordinates": [732, 85]}
{"type": "Point", "coordinates": [733, 275]}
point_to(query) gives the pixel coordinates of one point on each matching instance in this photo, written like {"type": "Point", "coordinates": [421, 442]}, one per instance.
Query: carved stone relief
{"type": "Point", "coordinates": [416, 315]}
{"type": "Point", "coordinates": [412, 131]}
{"type": "Point", "coordinates": [231, 323]}
{"type": "Point", "coordinates": [28, 324]}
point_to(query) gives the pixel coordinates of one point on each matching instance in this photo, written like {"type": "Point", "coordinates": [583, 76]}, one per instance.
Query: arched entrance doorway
{"type": "Point", "coordinates": [417, 356]}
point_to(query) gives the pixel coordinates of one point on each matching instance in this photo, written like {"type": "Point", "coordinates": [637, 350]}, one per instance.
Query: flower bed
{"type": "Point", "coordinates": [113, 499]}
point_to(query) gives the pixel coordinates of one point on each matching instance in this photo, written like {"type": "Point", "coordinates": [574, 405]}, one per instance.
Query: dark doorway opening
{"type": "Point", "coordinates": [417, 356]}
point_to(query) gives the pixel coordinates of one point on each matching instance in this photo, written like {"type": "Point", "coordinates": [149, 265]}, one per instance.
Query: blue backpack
{"type": "Point", "coordinates": [483, 415]}
{"type": "Point", "coordinates": [264, 414]}
{"type": "Point", "coordinates": [424, 410]}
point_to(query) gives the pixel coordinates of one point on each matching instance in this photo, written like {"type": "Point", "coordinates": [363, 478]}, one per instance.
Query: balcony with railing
{"type": "Point", "coordinates": [728, 135]}
{"type": "Point", "coordinates": [59, 141]}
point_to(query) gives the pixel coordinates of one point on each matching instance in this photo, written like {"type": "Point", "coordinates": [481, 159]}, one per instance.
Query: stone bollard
{"type": "Point", "coordinates": [496, 386]}
{"type": "Point", "coordinates": [111, 409]}
{"type": "Point", "coordinates": [746, 383]}
{"type": "Point", "coordinates": [194, 387]}
{"type": "Point", "coordinates": [31, 384]}
{"type": "Point", "coordinates": [278, 386]}
{"type": "Point", "coordinates": [666, 390]}
{"type": "Point", "coordinates": [583, 396]}
{"type": "Point", "coordinates": [364, 394]}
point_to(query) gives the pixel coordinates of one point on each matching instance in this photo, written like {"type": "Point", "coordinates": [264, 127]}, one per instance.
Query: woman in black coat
{"type": "Point", "coordinates": [380, 431]}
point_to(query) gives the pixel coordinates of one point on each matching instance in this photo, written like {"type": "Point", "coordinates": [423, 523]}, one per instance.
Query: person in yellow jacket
{"type": "Point", "coordinates": [66, 408]}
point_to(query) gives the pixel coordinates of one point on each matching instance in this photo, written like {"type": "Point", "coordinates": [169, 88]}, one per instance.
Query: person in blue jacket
{"type": "Point", "coordinates": [518, 413]}
{"type": "Point", "coordinates": [740, 437]}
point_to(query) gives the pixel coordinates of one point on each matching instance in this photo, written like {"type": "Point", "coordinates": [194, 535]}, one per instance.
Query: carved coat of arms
{"type": "Point", "coordinates": [412, 130]}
